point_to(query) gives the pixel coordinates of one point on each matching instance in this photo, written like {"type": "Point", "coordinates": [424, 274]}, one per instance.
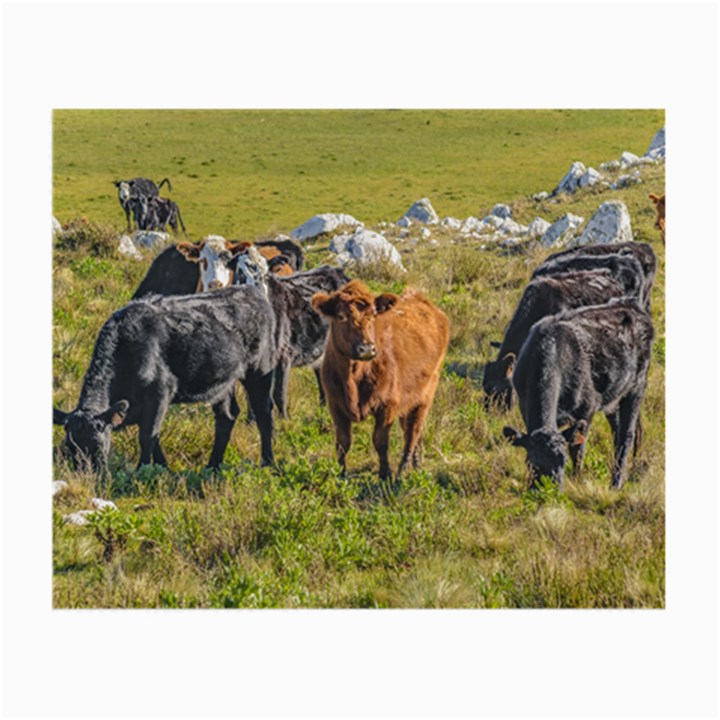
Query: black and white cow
{"type": "Point", "coordinates": [155, 213]}
{"type": "Point", "coordinates": [591, 257]}
{"type": "Point", "coordinates": [545, 296]}
{"type": "Point", "coordinates": [573, 365]}
{"type": "Point", "coordinates": [140, 186]}
{"type": "Point", "coordinates": [159, 351]}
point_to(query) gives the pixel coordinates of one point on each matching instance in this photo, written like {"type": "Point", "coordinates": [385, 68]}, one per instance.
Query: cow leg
{"type": "Point", "coordinates": [127, 217]}
{"type": "Point", "coordinates": [250, 417]}
{"type": "Point", "coordinates": [258, 389]}
{"type": "Point", "coordinates": [624, 424]}
{"type": "Point", "coordinates": [343, 437]}
{"type": "Point", "coordinates": [321, 390]}
{"type": "Point", "coordinates": [149, 427]}
{"type": "Point", "coordinates": [226, 412]}
{"type": "Point", "coordinates": [412, 425]}
{"type": "Point", "coordinates": [381, 441]}
{"type": "Point", "coordinates": [280, 386]}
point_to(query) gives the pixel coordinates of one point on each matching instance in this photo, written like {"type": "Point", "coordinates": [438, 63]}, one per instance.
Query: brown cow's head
{"type": "Point", "coordinates": [214, 255]}
{"type": "Point", "coordinates": [352, 311]}
{"type": "Point", "coordinates": [660, 208]}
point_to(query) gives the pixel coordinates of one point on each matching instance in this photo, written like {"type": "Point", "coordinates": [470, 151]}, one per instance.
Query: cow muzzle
{"type": "Point", "coordinates": [366, 351]}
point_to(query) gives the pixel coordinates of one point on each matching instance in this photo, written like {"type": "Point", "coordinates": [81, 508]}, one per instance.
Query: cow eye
{"type": "Point", "coordinates": [361, 306]}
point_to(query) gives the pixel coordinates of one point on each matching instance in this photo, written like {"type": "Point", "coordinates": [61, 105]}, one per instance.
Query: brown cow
{"type": "Point", "coordinates": [660, 208]}
{"type": "Point", "coordinates": [382, 358]}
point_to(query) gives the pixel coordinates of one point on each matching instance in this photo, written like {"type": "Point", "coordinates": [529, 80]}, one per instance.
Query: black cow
{"type": "Point", "coordinates": [292, 251]}
{"type": "Point", "coordinates": [569, 260]}
{"type": "Point", "coordinates": [155, 213]}
{"type": "Point", "coordinates": [159, 351]}
{"type": "Point", "coordinates": [573, 365]}
{"type": "Point", "coordinates": [542, 297]}
{"type": "Point", "coordinates": [128, 189]}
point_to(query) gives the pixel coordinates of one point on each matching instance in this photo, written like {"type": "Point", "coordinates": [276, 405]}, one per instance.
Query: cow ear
{"type": "Point", "coordinates": [191, 251]}
{"type": "Point", "coordinates": [115, 414]}
{"type": "Point", "coordinates": [324, 304]}
{"type": "Point", "coordinates": [515, 436]}
{"type": "Point", "coordinates": [385, 301]}
{"type": "Point", "coordinates": [575, 434]}
{"type": "Point", "coordinates": [237, 246]}
{"type": "Point", "coordinates": [653, 197]}
{"type": "Point", "coordinates": [59, 417]}
{"type": "Point", "coordinates": [508, 364]}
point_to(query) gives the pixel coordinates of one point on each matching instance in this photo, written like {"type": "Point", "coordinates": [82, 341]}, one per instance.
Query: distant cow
{"type": "Point", "coordinates": [630, 266]}
{"type": "Point", "coordinates": [573, 365]}
{"type": "Point", "coordinates": [383, 358]}
{"type": "Point", "coordinates": [542, 297]}
{"type": "Point", "coordinates": [155, 213]}
{"type": "Point", "coordinates": [210, 264]}
{"type": "Point", "coordinates": [660, 209]}
{"type": "Point", "coordinates": [160, 351]}
{"type": "Point", "coordinates": [136, 187]}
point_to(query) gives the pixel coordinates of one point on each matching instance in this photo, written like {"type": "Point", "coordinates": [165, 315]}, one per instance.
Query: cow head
{"type": "Point", "coordinates": [352, 311]}
{"type": "Point", "coordinates": [497, 382]}
{"type": "Point", "coordinates": [214, 256]}
{"type": "Point", "coordinates": [546, 453]}
{"type": "Point", "coordinates": [251, 267]}
{"type": "Point", "coordinates": [659, 202]}
{"type": "Point", "coordinates": [87, 435]}
{"type": "Point", "coordinates": [124, 190]}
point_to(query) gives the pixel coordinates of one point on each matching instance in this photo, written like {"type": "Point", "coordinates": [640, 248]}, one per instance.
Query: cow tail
{"type": "Point", "coordinates": [182, 224]}
{"type": "Point", "coordinates": [165, 181]}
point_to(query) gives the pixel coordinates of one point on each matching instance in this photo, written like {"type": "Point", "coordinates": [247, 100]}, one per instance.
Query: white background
{"type": "Point", "coordinates": [661, 663]}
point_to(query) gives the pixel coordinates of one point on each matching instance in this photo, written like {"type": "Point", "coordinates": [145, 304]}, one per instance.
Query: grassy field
{"type": "Point", "coordinates": [465, 531]}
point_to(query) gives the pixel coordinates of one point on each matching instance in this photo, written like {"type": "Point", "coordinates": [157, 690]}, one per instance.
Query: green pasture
{"type": "Point", "coordinates": [465, 530]}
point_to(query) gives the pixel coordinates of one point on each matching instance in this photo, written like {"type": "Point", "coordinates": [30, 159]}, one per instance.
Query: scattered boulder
{"type": "Point", "coordinates": [363, 247]}
{"type": "Point", "coordinates": [421, 211]}
{"type": "Point", "coordinates": [537, 228]}
{"type": "Point", "coordinates": [656, 151]}
{"type": "Point", "coordinates": [59, 486]}
{"type": "Point", "coordinates": [562, 231]}
{"type": "Point", "coordinates": [589, 178]}
{"type": "Point", "coordinates": [539, 197]}
{"type": "Point", "coordinates": [627, 180]}
{"type": "Point", "coordinates": [56, 227]}
{"type": "Point", "coordinates": [150, 239]}
{"type": "Point", "coordinates": [571, 180]}
{"type": "Point", "coordinates": [609, 224]}
{"type": "Point", "coordinates": [610, 166]}
{"type": "Point", "coordinates": [404, 222]}
{"type": "Point", "coordinates": [100, 504]}
{"type": "Point", "coordinates": [628, 159]}
{"type": "Point", "coordinates": [324, 223]}
{"type": "Point", "coordinates": [127, 247]}
{"type": "Point", "coordinates": [78, 518]}
{"type": "Point", "coordinates": [451, 223]}
{"type": "Point", "coordinates": [502, 211]}
{"type": "Point", "coordinates": [474, 225]}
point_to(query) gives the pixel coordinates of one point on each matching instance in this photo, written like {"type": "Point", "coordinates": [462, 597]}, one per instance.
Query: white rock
{"type": "Point", "coordinates": [627, 180]}
{"type": "Point", "coordinates": [56, 227]}
{"type": "Point", "coordinates": [571, 180]}
{"type": "Point", "coordinates": [628, 159]}
{"type": "Point", "coordinates": [100, 504]}
{"type": "Point", "coordinates": [610, 166]}
{"type": "Point", "coordinates": [425, 233]}
{"type": "Point", "coordinates": [609, 224]}
{"type": "Point", "coordinates": [473, 224]}
{"type": "Point", "coordinates": [491, 221]}
{"type": "Point", "coordinates": [423, 212]}
{"type": "Point", "coordinates": [78, 518]}
{"type": "Point", "coordinates": [537, 228]}
{"type": "Point", "coordinates": [404, 222]}
{"type": "Point", "coordinates": [590, 178]}
{"type": "Point", "coordinates": [127, 247]}
{"type": "Point", "coordinates": [502, 211]}
{"type": "Point", "coordinates": [451, 223]}
{"type": "Point", "coordinates": [510, 227]}
{"type": "Point", "coordinates": [324, 223]}
{"type": "Point", "coordinates": [562, 231]}
{"type": "Point", "coordinates": [58, 486]}
{"type": "Point", "coordinates": [150, 238]}
{"type": "Point", "coordinates": [656, 151]}
{"type": "Point", "coordinates": [433, 242]}
{"type": "Point", "coordinates": [539, 197]}
{"type": "Point", "coordinates": [365, 246]}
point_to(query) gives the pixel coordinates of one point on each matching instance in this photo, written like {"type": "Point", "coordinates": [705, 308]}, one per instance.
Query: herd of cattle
{"type": "Point", "coordinates": [210, 315]}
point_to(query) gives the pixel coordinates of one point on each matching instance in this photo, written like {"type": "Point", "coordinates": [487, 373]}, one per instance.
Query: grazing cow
{"type": "Point", "coordinates": [573, 365]}
{"type": "Point", "coordinates": [660, 209]}
{"type": "Point", "coordinates": [382, 358]}
{"type": "Point", "coordinates": [542, 297]}
{"type": "Point", "coordinates": [128, 189]}
{"type": "Point", "coordinates": [159, 351]}
{"type": "Point", "coordinates": [642, 252]}
{"type": "Point", "coordinates": [155, 213]}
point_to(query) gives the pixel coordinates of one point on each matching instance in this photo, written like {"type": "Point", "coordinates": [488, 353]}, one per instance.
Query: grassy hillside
{"type": "Point", "coordinates": [465, 531]}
